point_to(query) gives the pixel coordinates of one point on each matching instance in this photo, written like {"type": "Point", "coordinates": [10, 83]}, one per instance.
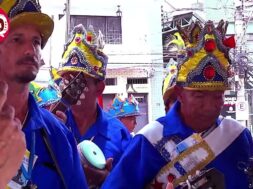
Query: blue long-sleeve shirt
{"type": "Point", "coordinates": [44, 173]}
{"type": "Point", "coordinates": [107, 132]}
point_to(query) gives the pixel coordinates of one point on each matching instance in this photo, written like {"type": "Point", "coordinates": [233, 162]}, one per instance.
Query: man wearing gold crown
{"type": "Point", "coordinates": [51, 159]}
{"type": "Point", "coordinates": [83, 54]}
{"type": "Point", "coordinates": [169, 96]}
{"type": "Point", "coordinates": [192, 136]}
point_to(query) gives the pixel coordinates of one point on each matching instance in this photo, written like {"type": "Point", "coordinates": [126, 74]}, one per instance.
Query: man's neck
{"type": "Point", "coordinates": [196, 125]}
{"type": "Point", "coordinates": [18, 98]}
{"type": "Point", "coordinates": [84, 118]}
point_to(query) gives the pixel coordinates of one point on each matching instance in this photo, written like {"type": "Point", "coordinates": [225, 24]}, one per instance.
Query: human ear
{"type": "Point", "coordinates": [100, 87]}
{"type": "Point", "coordinates": [178, 91]}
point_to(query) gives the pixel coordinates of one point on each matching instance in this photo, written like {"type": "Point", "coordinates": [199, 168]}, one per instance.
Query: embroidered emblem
{"type": "Point", "coordinates": [209, 72]}
{"type": "Point", "coordinates": [4, 25]}
{"type": "Point", "coordinates": [20, 179]}
{"type": "Point", "coordinates": [74, 60]}
{"type": "Point", "coordinates": [187, 163]}
{"type": "Point", "coordinates": [185, 158]}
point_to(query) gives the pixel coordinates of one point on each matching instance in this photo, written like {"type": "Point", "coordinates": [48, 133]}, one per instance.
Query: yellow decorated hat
{"type": "Point", "coordinates": [169, 83]}
{"type": "Point", "coordinates": [83, 53]}
{"type": "Point", "coordinates": [204, 64]}
{"type": "Point", "coordinates": [22, 12]}
{"type": "Point", "coordinates": [55, 77]}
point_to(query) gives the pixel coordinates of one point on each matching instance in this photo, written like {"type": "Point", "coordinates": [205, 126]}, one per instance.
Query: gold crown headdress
{"type": "Point", "coordinates": [83, 53]}
{"type": "Point", "coordinates": [205, 63]}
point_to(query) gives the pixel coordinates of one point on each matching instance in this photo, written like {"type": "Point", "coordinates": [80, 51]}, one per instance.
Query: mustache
{"type": "Point", "coordinates": [28, 59]}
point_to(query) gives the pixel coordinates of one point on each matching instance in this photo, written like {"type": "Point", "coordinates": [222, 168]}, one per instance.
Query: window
{"type": "Point", "coordinates": [111, 81]}
{"type": "Point", "coordinates": [110, 26]}
{"type": "Point", "coordinates": [137, 80]}
{"type": "Point", "coordinates": [250, 37]}
{"type": "Point", "coordinates": [141, 99]}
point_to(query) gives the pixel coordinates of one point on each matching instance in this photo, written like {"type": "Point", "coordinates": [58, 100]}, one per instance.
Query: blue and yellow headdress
{"type": "Point", "coordinates": [83, 53]}
{"type": "Point", "coordinates": [124, 107]}
{"type": "Point", "coordinates": [55, 77]}
{"type": "Point", "coordinates": [169, 82]}
{"type": "Point", "coordinates": [45, 96]}
{"type": "Point", "coordinates": [205, 63]}
{"type": "Point", "coordinates": [22, 12]}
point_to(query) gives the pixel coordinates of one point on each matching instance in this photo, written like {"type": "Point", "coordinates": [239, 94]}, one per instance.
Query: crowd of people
{"type": "Point", "coordinates": [39, 149]}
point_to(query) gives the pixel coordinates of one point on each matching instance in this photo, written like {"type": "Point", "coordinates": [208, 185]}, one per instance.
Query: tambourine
{"type": "Point", "coordinates": [91, 153]}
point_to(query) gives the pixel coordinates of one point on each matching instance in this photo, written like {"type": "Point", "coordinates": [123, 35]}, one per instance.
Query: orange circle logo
{"type": "Point", "coordinates": [4, 25]}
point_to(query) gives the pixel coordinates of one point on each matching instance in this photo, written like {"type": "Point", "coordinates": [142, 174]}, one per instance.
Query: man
{"type": "Point", "coordinates": [12, 140]}
{"type": "Point", "coordinates": [51, 159]}
{"type": "Point", "coordinates": [126, 110]}
{"type": "Point", "coordinates": [169, 96]}
{"type": "Point", "coordinates": [83, 54]}
{"type": "Point", "coordinates": [192, 136]}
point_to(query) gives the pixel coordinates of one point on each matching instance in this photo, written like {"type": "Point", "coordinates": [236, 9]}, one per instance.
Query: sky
{"type": "Point", "coordinates": [181, 3]}
{"type": "Point", "coordinates": [49, 4]}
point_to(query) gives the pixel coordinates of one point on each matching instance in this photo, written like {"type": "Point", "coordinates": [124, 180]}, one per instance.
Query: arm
{"type": "Point", "coordinates": [61, 116]}
{"type": "Point", "coordinates": [12, 140]}
{"type": "Point", "coordinates": [250, 141]}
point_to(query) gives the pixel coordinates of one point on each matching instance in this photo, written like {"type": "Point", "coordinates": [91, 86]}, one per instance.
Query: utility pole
{"type": "Point", "coordinates": [241, 62]}
{"type": "Point", "coordinates": [67, 14]}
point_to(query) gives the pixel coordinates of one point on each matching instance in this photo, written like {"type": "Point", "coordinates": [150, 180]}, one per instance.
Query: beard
{"type": "Point", "coordinates": [29, 74]}
{"type": "Point", "coordinates": [25, 78]}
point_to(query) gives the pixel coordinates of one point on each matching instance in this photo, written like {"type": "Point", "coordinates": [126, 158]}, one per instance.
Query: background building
{"type": "Point", "coordinates": [136, 33]}
{"type": "Point", "coordinates": [132, 32]}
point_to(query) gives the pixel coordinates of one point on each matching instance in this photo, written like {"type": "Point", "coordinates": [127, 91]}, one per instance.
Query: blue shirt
{"type": "Point", "coordinates": [141, 162]}
{"type": "Point", "coordinates": [44, 173]}
{"type": "Point", "coordinates": [107, 132]}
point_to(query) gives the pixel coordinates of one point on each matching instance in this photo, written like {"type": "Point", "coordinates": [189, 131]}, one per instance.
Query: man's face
{"type": "Point", "coordinates": [129, 122]}
{"type": "Point", "coordinates": [20, 55]}
{"type": "Point", "coordinates": [201, 108]}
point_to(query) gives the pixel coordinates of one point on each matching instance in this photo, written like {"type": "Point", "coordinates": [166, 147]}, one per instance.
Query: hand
{"type": "Point", "coordinates": [12, 140]}
{"type": "Point", "coordinates": [169, 186]}
{"type": "Point", "coordinates": [96, 177]}
{"type": "Point", "coordinates": [61, 116]}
